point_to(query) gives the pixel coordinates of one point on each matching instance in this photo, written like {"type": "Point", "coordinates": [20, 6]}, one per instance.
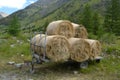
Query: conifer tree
{"type": "Point", "coordinates": [112, 17]}
{"type": "Point", "coordinates": [14, 27]}
{"type": "Point", "coordinates": [87, 18]}
{"type": "Point", "coordinates": [96, 23]}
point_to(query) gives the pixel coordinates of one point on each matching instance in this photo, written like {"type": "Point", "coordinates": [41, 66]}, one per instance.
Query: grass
{"type": "Point", "coordinates": [108, 69]}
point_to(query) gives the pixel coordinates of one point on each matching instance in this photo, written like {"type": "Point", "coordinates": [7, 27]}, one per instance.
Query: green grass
{"type": "Point", "coordinates": [11, 46]}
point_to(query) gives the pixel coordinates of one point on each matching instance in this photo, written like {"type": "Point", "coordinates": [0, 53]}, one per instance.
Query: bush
{"type": "Point", "coordinates": [108, 38]}
{"type": "Point", "coordinates": [92, 36]}
{"type": "Point", "coordinates": [14, 27]}
{"type": "Point", "coordinates": [111, 48]}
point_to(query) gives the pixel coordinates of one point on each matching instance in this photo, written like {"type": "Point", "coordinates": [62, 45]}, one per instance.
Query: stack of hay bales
{"type": "Point", "coordinates": [81, 32]}
{"type": "Point", "coordinates": [66, 40]}
{"type": "Point", "coordinates": [79, 48]}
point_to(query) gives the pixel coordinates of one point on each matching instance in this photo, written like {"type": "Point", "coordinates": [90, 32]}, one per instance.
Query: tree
{"type": "Point", "coordinates": [14, 27]}
{"type": "Point", "coordinates": [112, 17]}
{"type": "Point", "coordinates": [87, 18]}
{"type": "Point", "coordinates": [45, 25]}
{"type": "Point", "coordinates": [96, 23]}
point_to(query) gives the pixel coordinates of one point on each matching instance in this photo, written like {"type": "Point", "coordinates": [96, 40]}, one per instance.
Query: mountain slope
{"type": "Point", "coordinates": [35, 11]}
{"type": "Point", "coordinates": [72, 11]}
{"type": "Point", "coordinates": [45, 11]}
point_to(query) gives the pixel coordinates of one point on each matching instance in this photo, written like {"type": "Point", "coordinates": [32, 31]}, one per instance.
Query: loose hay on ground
{"type": "Point", "coordinates": [61, 27]}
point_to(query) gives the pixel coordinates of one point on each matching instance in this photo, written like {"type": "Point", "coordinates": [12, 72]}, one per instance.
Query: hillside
{"type": "Point", "coordinates": [72, 11]}
{"type": "Point", "coordinates": [35, 11]}
{"type": "Point", "coordinates": [40, 13]}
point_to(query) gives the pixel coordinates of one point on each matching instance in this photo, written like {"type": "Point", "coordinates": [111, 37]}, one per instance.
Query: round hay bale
{"type": "Point", "coordinates": [61, 27]}
{"type": "Point", "coordinates": [55, 47]}
{"type": "Point", "coordinates": [79, 49]}
{"type": "Point", "coordinates": [80, 31]}
{"type": "Point", "coordinates": [35, 42]}
{"type": "Point", "coordinates": [95, 48]}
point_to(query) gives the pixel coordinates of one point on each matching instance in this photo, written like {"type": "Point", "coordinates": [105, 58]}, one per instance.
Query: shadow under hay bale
{"type": "Point", "coordinates": [63, 67]}
{"type": "Point", "coordinates": [80, 31]}
{"type": "Point", "coordinates": [79, 49]}
{"type": "Point", "coordinates": [55, 47]}
{"type": "Point", "coordinates": [61, 27]}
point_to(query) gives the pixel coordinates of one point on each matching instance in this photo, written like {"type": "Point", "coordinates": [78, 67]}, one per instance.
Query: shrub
{"type": "Point", "coordinates": [108, 38]}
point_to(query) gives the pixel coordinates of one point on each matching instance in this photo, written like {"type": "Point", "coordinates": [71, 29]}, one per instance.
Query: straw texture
{"type": "Point", "coordinates": [80, 31]}
{"type": "Point", "coordinates": [55, 47]}
{"type": "Point", "coordinates": [61, 27]}
{"type": "Point", "coordinates": [79, 49]}
{"type": "Point", "coordinates": [95, 48]}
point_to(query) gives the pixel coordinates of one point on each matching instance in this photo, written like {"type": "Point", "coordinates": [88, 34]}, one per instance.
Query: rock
{"type": "Point", "coordinates": [19, 65]}
{"type": "Point", "coordinates": [75, 72]}
{"type": "Point", "coordinates": [30, 79]}
{"type": "Point", "coordinates": [22, 55]}
{"type": "Point", "coordinates": [18, 41]}
{"type": "Point", "coordinates": [28, 40]}
{"type": "Point", "coordinates": [12, 45]}
{"type": "Point", "coordinates": [11, 63]}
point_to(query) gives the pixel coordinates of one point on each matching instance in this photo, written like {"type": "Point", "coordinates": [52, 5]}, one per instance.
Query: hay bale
{"type": "Point", "coordinates": [35, 42]}
{"type": "Point", "coordinates": [95, 48]}
{"type": "Point", "coordinates": [56, 47]}
{"type": "Point", "coordinates": [61, 27]}
{"type": "Point", "coordinates": [79, 49]}
{"type": "Point", "coordinates": [80, 31]}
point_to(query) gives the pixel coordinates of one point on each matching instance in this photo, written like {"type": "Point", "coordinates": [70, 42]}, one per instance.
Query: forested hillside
{"type": "Point", "coordinates": [34, 12]}
{"type": "Point", "coordinates": [95, 15]}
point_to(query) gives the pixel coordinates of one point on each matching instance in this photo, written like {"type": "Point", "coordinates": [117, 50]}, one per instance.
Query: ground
{"type": "Point", "coordinates": [105, 70]}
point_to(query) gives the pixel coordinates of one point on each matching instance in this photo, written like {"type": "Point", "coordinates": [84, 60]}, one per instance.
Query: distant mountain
{"type": "Point", "coordinates": [2, 15]}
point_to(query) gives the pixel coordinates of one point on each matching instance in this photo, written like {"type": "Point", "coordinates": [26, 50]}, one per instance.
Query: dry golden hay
{"type": "Point", "coordinates": [61, 27]}
{"type": "Point", "coordinates": [79, 49]}
{"type": "Point", "coordinates": [55, 47]}
{"type": "Point", "coordinates": [80, 31]}
{"type": "Point", "coordinates": [35, 42]}
{"type": "Point", "coordinates": [95, 48]}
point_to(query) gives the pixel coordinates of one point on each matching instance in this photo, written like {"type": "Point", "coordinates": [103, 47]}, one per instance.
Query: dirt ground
{"type": "Point", "coordinates": [55, 71]}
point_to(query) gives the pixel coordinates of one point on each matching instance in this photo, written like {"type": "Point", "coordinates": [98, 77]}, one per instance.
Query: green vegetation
{"type": "Point", "coordinates": [112, 17]}
{"type": "Point", "coordinates": [87, 18]}
{"type": "Point", "coordinates": [14, 27]}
